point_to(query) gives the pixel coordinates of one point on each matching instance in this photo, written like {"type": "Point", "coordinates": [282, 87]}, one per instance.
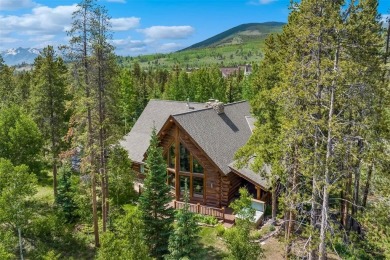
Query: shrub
{"type": "Point", "coordinates": [210, 220]}
{"type": "Point", "coordinates": [220, 230]}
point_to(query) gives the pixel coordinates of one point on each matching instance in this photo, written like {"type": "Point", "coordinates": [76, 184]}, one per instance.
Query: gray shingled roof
{"type": "Point", "coordinates": [155, 113]}
{"type": "Point", "coordinates": [253, 176]}
{"type": "Point", "coordinates": [219, 135]}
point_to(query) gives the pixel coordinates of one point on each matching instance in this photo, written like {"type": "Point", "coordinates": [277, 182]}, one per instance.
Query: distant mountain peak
{"type": "Point", "coordinates": [16, 56]}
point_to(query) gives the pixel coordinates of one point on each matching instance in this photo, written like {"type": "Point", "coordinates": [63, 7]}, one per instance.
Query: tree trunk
{"type": "Point", "coordinates": [356, 188]}
{"type": "Point", "coordinates": [94, 211]}
{"type": "Point", "coordinates": [327, 183]}
{"type": "Point", "coordinates": [55, 177]}
{"type": "Point", "coordinates": [291, 214]}
{"type": "Point", "coordinates": [314, 189]}
{"type": "Point", "coordinates": [90, 130]}
{"type": "Point", "coordinates": [367, 186]}
{"type": "Point", "coordinates": [387, 40]}
{"type": "Point", "coordinates": [20, 244]}
{"type": "Point", "coordinates": [274, 203]}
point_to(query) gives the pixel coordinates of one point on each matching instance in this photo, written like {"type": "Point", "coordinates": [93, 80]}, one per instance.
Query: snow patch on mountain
{"type": "Point", "coordinates": [16, 56]}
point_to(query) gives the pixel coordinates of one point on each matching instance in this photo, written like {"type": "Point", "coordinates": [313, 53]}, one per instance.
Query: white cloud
{"type": "Point", "coordinates": [117, 1]}
{"type": "Point", "coordinates": [128, 43]}
{"type": "Point", "coordinates": [41, 38]}
{"type": "Point", "coordinates": [170, 46]}
{"type": "Point", "coordinates": [42, 20]}
{"type": "Point", "coordinates": [124, 24]}
{"type": "Point", "coordinates": [9, 40]}
{"type": "Point", "coordinates": [14, 5]}
{"type": "Point", "coordinates": [43, 25]}
{"type": "Point", "coordinates": [167, 32]}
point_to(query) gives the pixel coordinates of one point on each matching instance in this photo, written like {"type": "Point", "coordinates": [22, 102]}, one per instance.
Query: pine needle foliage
{"type": "Point", "coordinates": [184, 241]}
{"type": "Point", "coordinates": [157, 216]}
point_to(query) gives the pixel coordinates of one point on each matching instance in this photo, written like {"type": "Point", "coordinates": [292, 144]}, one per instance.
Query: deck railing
{"type": "Point", "coordinates": [218, 213]}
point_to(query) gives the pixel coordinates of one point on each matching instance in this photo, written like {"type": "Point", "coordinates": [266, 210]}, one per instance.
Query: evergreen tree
{"type": "Point", "coordinates": [48, 98]}
{"type": "Point", "coordinates": [184, 241]}
{"type": "Point", "coordinates": [7, 85]}
{"type": "Point", "coordinates": [156, 215]}
{"type": "Point", "coordinates": [80, 51]}
{"type": "Point", "coordinates": [315, 103]}
{"type": "Point", "coordinates": [126, 240]}
{"type": "Point", "coordinates": [121, 177]}
{"type": "Point", "coordinates": [65, 197]}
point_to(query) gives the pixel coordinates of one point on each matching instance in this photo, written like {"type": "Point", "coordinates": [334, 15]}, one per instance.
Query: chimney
{"type": "Point", "coordinates": [218, 107]}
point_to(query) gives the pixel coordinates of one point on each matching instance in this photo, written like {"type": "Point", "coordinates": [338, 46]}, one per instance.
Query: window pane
{"type": "Point", "coordinates": [171, 180]}
{"type": "Point", "coordinates": [183, 180]}
{"type": "Point", "coordinates": [172, 156]}
{"type": "Point", "coordinates": [184, 159]}
{"type": "Point", "coordinates": [197, 168]}
{"type": "Point", "coordinates": [197, 186]}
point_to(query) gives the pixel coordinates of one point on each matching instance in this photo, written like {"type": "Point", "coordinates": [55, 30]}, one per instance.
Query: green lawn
{"type": "Point", "coordinates": [212, 245]}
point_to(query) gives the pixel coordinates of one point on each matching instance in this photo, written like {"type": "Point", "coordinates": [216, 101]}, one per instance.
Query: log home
{"type": "Point", "coordinates": [199, 142]}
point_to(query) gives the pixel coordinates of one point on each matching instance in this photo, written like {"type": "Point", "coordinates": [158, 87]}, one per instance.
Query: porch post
{"type": "Point", "coordinates": [258, 189]}
{"type": "Point", "coordinates": [177, 163]}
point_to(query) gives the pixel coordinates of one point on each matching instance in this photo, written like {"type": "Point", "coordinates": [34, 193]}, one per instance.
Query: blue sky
{"type": "Point", "coordinates": [140, 26]}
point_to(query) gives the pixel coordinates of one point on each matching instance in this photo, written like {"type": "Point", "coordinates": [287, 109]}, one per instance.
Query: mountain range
{"type": "Point", "coordinates": [16, 56]}
{"type": "Point", "coordinates": [240, 44]}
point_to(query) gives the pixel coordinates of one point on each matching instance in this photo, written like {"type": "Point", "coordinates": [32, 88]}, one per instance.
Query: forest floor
{"type": "Point", "coordinates": [273, 249]}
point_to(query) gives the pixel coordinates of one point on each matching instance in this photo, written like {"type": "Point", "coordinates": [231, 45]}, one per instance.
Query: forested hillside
{"type": "Point", "coordinates": [319, 91]}
{"type": "Point", "coordinates": [240, 45]}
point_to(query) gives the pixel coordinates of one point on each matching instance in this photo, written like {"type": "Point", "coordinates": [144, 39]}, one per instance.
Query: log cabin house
{"type": "Point", "coordinates": [199, 142]}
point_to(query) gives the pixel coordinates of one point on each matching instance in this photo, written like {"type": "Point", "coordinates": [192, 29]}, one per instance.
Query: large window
{"type": "Point", "coordinates": [197, 168]}
{"type": "Point", "coordinates": [184, 159]}
{"type": "Point", "coordinates": [197, 186]}
{"type": "Point", "coordinates": [171, 156]}
{"type": "Point", "coordinates": [190, 171]}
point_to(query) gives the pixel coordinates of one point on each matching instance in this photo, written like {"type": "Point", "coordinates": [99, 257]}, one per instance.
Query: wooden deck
{"type": "Point", "coordinates": [223, 214]}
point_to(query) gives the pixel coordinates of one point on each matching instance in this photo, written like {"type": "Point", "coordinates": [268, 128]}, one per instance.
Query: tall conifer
{"type": "Point", "coordinates": [156, 214]}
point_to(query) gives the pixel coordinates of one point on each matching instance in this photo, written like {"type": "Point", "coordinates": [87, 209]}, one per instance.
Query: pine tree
{"type": "Point", "coordinates": [79, 51]}
{"type": "Point", "coordinates": [317, 108]}
{"type": "Point", "coordinates": [103, 72]}
{"type": "Point", "coordinates": [48, 98]}
{"type": "Point", "coordinates": [65, 197]}
{"type": "Point", "coordinates": [184, 241]}
{"type": "Point", "coordinates": [157, 216]}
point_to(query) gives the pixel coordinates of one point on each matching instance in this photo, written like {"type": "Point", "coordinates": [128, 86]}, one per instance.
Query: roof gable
{"type": "Point", "coordinates": [218, 135]}
{"type": "Point", "coordinates": [155, 114]}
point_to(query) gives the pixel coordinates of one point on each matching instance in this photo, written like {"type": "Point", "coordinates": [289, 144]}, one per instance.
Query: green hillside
{"type": "Point", "coordinates": [244, 33]}
{"type": "Point", "coordinates": [236, 46]}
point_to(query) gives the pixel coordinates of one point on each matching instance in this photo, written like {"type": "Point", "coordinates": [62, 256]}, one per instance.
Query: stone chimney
{"type": "Point", "coordinates": [218, 107]}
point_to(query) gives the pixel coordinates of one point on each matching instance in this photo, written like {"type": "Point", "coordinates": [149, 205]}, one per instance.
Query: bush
{"type": "Point", "coordinates": [210, 220]}
{"type": "Point", "coordinates": [220, 230]}
{"type": "Point", "coordinates": [257, 234]}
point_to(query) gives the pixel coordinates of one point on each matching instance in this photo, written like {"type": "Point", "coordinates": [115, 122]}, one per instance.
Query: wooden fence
{"type": "Point", "coordinates": [218, 213]}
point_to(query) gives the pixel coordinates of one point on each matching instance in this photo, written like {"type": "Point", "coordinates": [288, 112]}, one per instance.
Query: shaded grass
{"type": "Point", "coordinates": [212, 246]}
